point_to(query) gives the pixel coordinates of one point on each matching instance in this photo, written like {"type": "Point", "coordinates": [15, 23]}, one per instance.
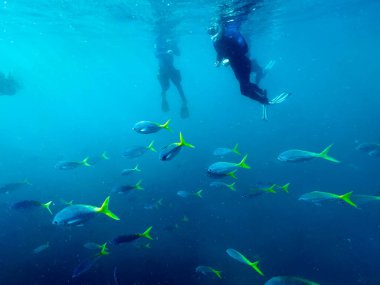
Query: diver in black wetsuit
{"type": "Point", "coordinates": [8, 85]}
{"type": "Point", "coordinates": [232, 48]}
{"type": "Point", "coordinates": [165, 49]}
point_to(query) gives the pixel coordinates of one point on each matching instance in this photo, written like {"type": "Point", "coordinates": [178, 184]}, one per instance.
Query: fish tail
{"type": "Point", "coordinates": [85, 162]}
{"type": "Point", "coordinates": [232, 174]}
{"type": "Point", "coordinates": [235, 149]}
{"type": "Point", "coordinates": [183, 143]}
{"type": "Point", "coordinates": [271, 189]}
{"type": "Point", "coordinates": [104, 210]}
{"type": "Point", "coordinates": [146, 234]}
{"type": "Point", "coordinates": [324, 154]}
{"type": "Point", "coordinates": [105, 156]}
{"type": "Point", "coordinates": [217, 273]}
{"type": "Point", "coordinates": [242, 163]}
{"type": "Point", "coordinates": [346, 198]}
{"type": "Point", "coordinates": [285, 188]}
{"type": "Point", "coordinates": [166, 125]}
{"type": "Point", "coordinates": [150, 147]}
{"type": "Point", "coordinates": [138, 185]}
{"type": "Point", "coordinates": [232, 186]}
{"type": "Point", "coordinates": [137, 168]}
{"type": "Point", "coordinates": [47, 206]}
{"type": "Point", "coordinates": [199, 193]}
{"type": "Point", "coordinates": [254, 266]}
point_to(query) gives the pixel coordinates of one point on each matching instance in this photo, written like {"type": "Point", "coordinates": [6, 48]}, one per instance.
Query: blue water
{"type": "Point", "coordinates": [87, 72]}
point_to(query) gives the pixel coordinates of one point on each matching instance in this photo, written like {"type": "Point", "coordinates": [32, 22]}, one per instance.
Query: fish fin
{"type": "Point", "coordinates": [146, 234]}
{"type": "Point", "coordinates": [137, 168]}
{"type": "Point", "coordinates": [47, 206]}
{"type": "Point", "coordinates": [232, 174]}
{"type": "Point", "coordinates": [232, 186]}
{"type": "Point", "coordinates": [254, 265]}
{"type": "Point", "coordinates": [199, 193]}
{"type": "Point", "coordinates": [150, 147]}
{"type": "Point", "coordinates": [166, 125]}
{"type": "Point", "coordinates": [217, 273]}
{"type": "Point", "coordinates": [285, 188]}
{"type": "Point", "coordinates": [104, 210]}
{"type": "Point", "coordinates": [324, 154]}
{"type": "Point", "coordinates": [138, 185]}
{"type": "Point", "coordinates": [346, 198]}
{"type": "Point", "coordinates": [235, 149]}
{"type": "Point", "coordinates": [271, 189]}
{"type": "Point", "coordinates": [105, 156]}
{"type": "Point", "coordinates": [85, 162]}
{"type": "Point", "coordinates": [183, 143]}
{"type": "Point", "coordinates": [242, 163]}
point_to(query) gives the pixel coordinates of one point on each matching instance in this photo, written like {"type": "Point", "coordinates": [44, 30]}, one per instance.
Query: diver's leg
{"type": "Point", "coordinates": [257, 69]}
{"type": "Point", "coordinates": [176, 79]}
{"type": "Point", "coordinates": [164, 82]}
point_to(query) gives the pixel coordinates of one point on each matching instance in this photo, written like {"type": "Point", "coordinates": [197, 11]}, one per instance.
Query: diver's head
{"type": "Point", "coordinates": [214, 30]}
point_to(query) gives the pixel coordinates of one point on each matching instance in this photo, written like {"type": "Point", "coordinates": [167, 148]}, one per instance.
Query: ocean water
{"type": "Point", "coordinates": [87, 73]}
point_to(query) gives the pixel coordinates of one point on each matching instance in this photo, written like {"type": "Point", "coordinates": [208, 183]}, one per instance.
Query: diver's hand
{"type": "Point", "coordinates": [226, 62]}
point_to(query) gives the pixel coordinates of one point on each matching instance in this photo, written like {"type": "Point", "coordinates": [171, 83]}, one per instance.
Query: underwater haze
{"type": "Point", "coordinates": [86, 73]}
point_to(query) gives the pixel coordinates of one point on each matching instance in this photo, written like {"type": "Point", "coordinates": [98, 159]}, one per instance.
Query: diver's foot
{"type": "Point", "coordinates": [184, 111]}
{"type": "Point", "coordinates": [164, 105]}
{"type": "Point", "coordinates": [280, 98]}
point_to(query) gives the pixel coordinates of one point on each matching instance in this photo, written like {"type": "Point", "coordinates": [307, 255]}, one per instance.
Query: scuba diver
{"type": "Point", "coordinates": [232, 49]}
{"type": "Point", "coordinates": [165, 49]}
{"type": "Point", "coordinates": [8, 85]}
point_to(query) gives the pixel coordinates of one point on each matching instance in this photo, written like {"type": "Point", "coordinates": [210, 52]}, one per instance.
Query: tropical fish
{"type": "Point", "coordinates": [88, 263]}
{"type": "Point", "coordinates": [221, 151]}
{"type": "Point", "coordinates": [372, 149]}
{"type": "Point", "coordinates": [132, 237]}
{"type": "Point", "coordinates": [95, 246]}
{"type": "Point", "coordinates": [289, 280]}
{"type": "Point", "coordinates": [207, 269]}
{"type": "Point", "coordinates": [40, 248]}
{"type": "Point", "coordinates": [218, 184]}
{"type": "Point", "coordinates": [67, 203]}
{"type": "Point", "coordinates": [225, 168]}
{"type": "Point", "coordinates": [126, 188]}
{"type": "Point", "coordinates": [147, 127]}
{"type": "Point", "coordinates": [68, 165]}
{"type": "Point", "coordinates": [154, 205]}
{"type": "Point", "coordinates": [10, 187]}
{"type": "Point", "coordinates": [78, 214]}
{"type": "Point", "coordinates": [129, 171]}
{"type": "Point", "coordinates": [30, 204]}
{"type": "Point", "coordinates": [316, 197]}
{"type": "Point", "coordinates": [297, 155]}
{"type": "Point", "coordinates": [262, 188]}
{"type": "Point", "coordinates": [138, 151]}
{"type": "Point", "coordinates": [96, 159]}
{"type": "Point", "coordinates": [171, 150]}
{"type": "Point", "coordinates": [185, 194]}
{"type": "Point", "coordinates": [241, 258]}
{"type": "Point", "coordinates": [218, 176]}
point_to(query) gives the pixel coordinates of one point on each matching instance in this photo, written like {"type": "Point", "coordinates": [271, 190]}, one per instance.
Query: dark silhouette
{"type": "Point", "coordinates": [165, 49]}
{"type": "Point", "coordinates": [8, 85]}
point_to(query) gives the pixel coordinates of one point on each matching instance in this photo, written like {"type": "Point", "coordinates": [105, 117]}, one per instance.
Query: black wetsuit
{"type": "Point", "coordinates": [165, 53]}
{"type": "Point", "coordinates": [231, 45]}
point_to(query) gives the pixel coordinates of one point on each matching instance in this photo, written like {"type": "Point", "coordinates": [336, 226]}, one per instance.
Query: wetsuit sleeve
{"type": "Point", "coordinates": [218, 49]}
